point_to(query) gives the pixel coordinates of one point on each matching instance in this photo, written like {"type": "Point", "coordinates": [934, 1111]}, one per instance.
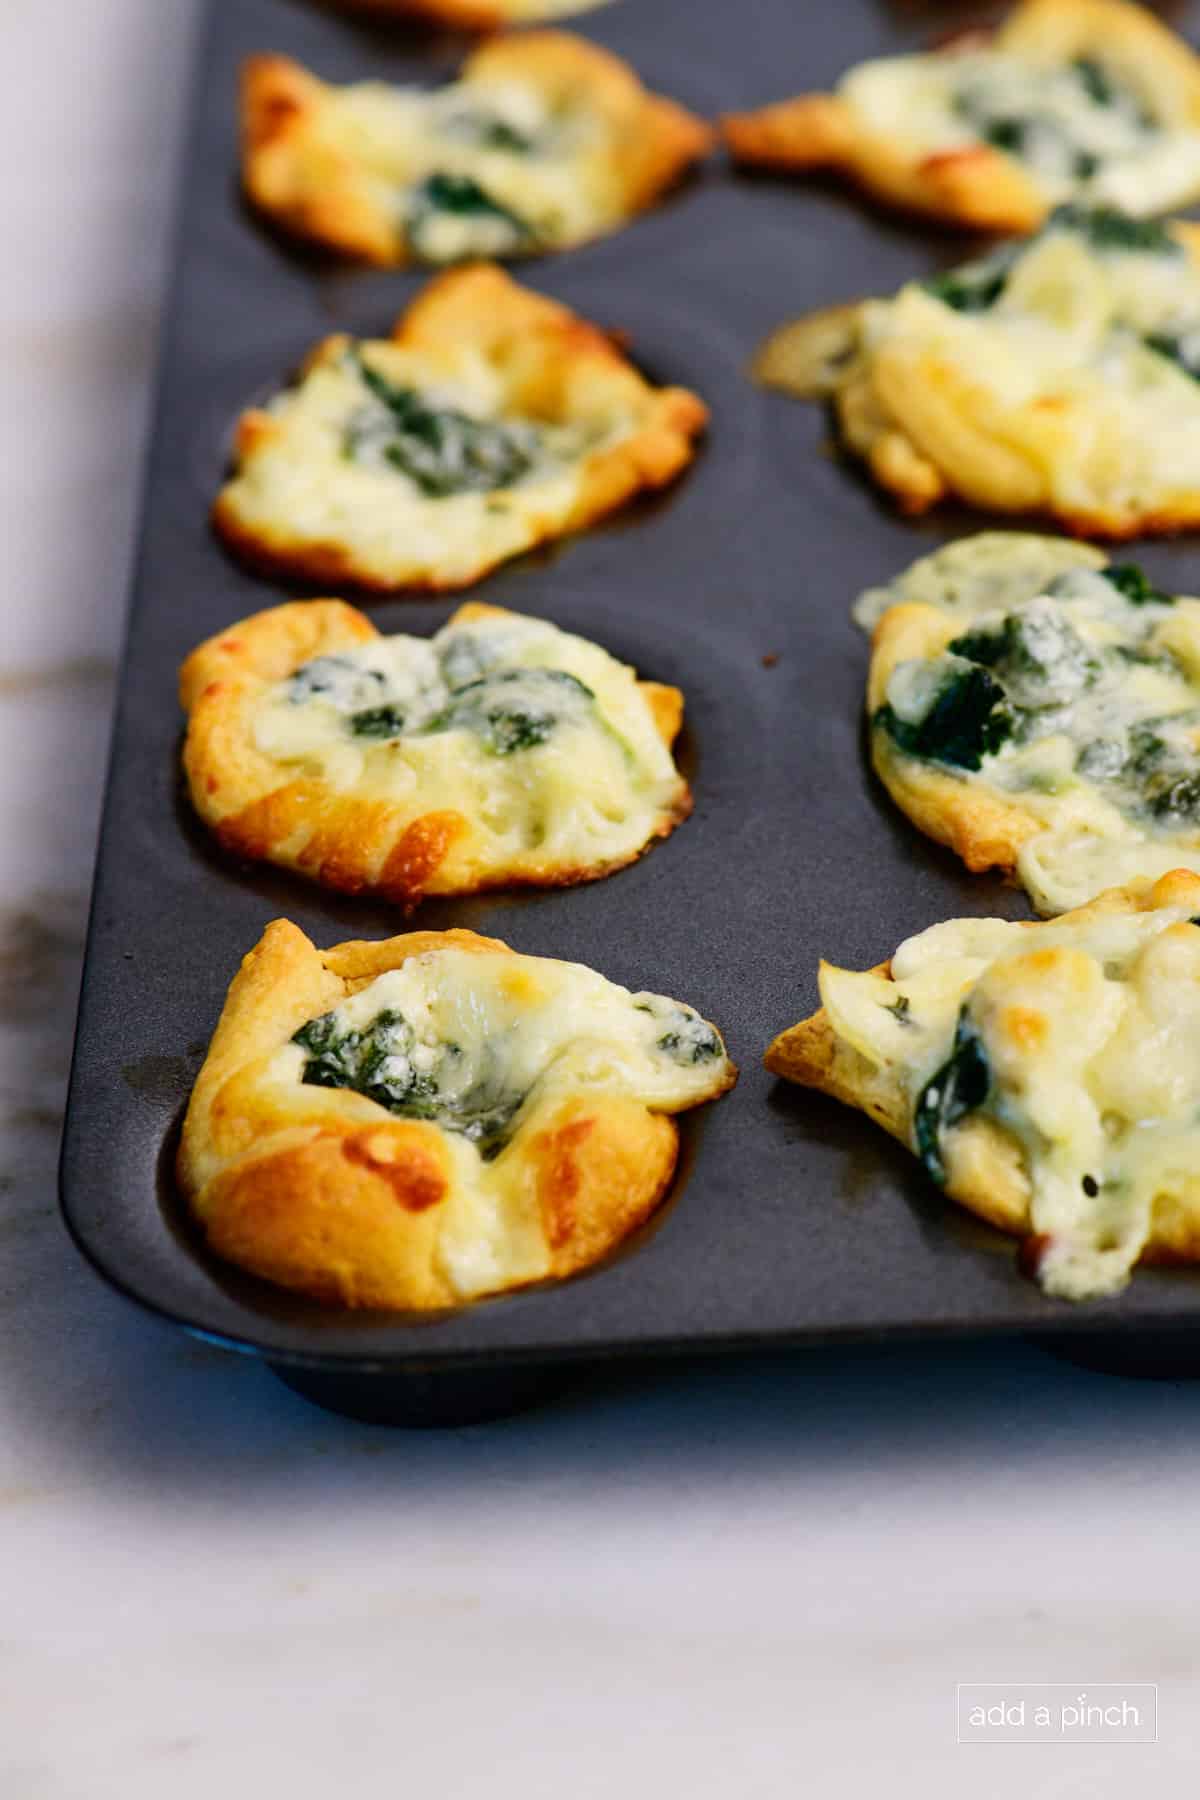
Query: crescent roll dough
{"type": "Point", "coordinates": [1053, 733]}
{"type": "Point", "coordinates": [1047, 1075]}
{"type": "Point", "coordinates": [1059, 375]}
{"type": "Point", "coordinates": [419, 1122]}
{"type": "Point", "coordinates": [1069, 99]}
{"type": "Point", "coordinates": [502, 752]}
{"type": "Point", "coordinates": [544, 142]}
{"type": "Point", "coordinates": [493, 419]}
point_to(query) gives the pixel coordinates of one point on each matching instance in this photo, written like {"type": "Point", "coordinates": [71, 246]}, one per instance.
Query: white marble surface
{"type": "Point", "coordinates": [743, 1579]}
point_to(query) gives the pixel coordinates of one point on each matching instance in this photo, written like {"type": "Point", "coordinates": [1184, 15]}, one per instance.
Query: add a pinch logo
{"type": "Point", "coordinates": [993, 1712]}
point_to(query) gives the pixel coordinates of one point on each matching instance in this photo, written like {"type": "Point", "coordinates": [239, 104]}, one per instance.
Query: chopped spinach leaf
{"type": "Point", "coordinates": [1095, 81]}
{"type": "Point", "coordinates": [968, 720]}
{"type": "Point", "coordinates": [515, 709]}
{"type": "Point", "coordinates": [901, 1010]}
{"type": "Point", "coordinates": [338, 679]}
{"type": "Point", "coordinates": [1037, 655]}
{"type": "Point", "coordinates": [973, 287]}
{"type": "Point", "coordinates": [1184, 352]}
{"type": "Point", "coordinates": [961, 1085]}
{"type": "Point", "coordinates": [377, 722]}
{"type": "Point", "coordinates": [1107, 229]}
{"type": "Point", "coordinates": [440, 449]}
{"type": "Point", "coordinates": [1174, 798]}
{"type": "Point", "coordinates": [693, 1040]}
{"type": "Point", "coordinates": [487, 132]}
{"type": "Point", "coordinates": [442, 195]}
{"type": "Point", "coordinates": [1135, 585]}
{"type": "Point", "coordinates": [379, 1062]}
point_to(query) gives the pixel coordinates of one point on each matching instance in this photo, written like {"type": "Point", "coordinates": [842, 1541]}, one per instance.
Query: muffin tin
{"type": "Point", "coordinates": [792, 1220]}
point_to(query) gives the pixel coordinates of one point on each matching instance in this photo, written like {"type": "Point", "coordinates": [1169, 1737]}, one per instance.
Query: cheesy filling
{"type": "Point", "coordinates": [1078, 129]}
{"type": "Point", "coordinates": [413, 460]}
{"type": "Point", "coordinates": [471, 1042]}
{"type": "Point", "coordinates": [1080, 1039]}
{"type": "Point", "coordinates": [1079, 348]}
{"type": "Point", "coordinates": [485, 167]}
{"type": "Point", "coordinates": [544, 742]}
{"type": "Point", "coordinates": [1081, 705]}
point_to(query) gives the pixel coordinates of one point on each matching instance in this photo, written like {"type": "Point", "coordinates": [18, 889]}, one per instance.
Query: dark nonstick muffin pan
{"type": "Point", "coordinates": [793, 1220]}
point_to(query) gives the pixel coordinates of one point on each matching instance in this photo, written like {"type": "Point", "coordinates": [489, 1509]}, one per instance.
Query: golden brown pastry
{"type": "Point", "coordinates": [1091, 100]}
{"type": "Point", "coordinates": [493, 419]}
{"type": "Point", "coordinates": [472, 15]}
{"type": "Point", "coordinates": [500, 752]}
{"type": "Point", "coordinates": [1059, 375]}
{"type": "Point", "coordinates": [1051, 729]}
{"type": "Point", "coordinates": [420, 1122]}
{"type": "Point", "coordinates": [1047, 1075]}
{"type": "Point", "coordinates": [544, 142]}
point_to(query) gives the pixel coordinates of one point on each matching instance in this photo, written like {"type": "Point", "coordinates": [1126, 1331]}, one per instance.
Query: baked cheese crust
{"type": "Point", "coordinates": [1052, 729]}
{"type": "Point", "coordinates": [1060, 375]}
{"type": "Point", "coordinates": [420, 1122]}
{"type": "Point", "coordinates": [544, 142]}
{"type": "Point", "coordinates": [1047, 1075]}
{"type": "Point", "coordinates": [473, 15]}
{"type": "Point", "coordinates": [1068, 99]}
{"type": "Point", "coordinates": [501, 752]}
{"type": "Point", "coordinates": [493, 419]}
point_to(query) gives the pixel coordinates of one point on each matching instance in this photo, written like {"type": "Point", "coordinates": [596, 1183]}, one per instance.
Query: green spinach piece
{"type": "Point", "coordinates": [515, 709]}
{"type": "Point", "coordinates": [968, 720]}
{"type": "Point", "coordinates": [462, 197]}
{"type": "Point", "coordinates": [377, 722]}
{"type": "Point", "coordinates": [961, 1085]}
{"type": "Point", "coordinates": [974, 286]}
{"type": "Point", "coordinates": [338, 679]}
{"type": "Point", "coordinates": [443, 451]}
{"type": "Point", "coordinates": [378, 1063]}
{"type": "Point", "coordinates": [693, 1040]}
{"type": "Point", "coordinates": [1135, 585]}
{"type": "Point", "coordinates": [1184, 352]}
{"type": "Point", "coordinates": [1037, 655]}
{"type": "Point", "coordinates": [1095, 81]}
{"type": "Point", "coordinates": [1107, 229]}
{"type": "Point", "coordinates": [1174, 797]}
{"type": "Point", "coordinates": [487, 132]}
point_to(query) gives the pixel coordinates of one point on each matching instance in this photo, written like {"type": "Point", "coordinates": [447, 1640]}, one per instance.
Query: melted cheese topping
{"type": "Point", "coordinates": [986, 572]}
{"type": "Point", "coordinates": [1103, 695]}
{"type": "Point", "coordinates": [321, 478]}
{"type": "Point", "coordinates": [1077, 129]}
{"type": "Point", "coordinates": [543, 741]}
{"type": "Point", "coordinates": [1090, 1034]}
{"type": "Point", "coordinates": [499, 1034]}
{"type": "Point", "coordinates": [548, 169]}
{"type": "Point", "coordinates": [1066, 365]}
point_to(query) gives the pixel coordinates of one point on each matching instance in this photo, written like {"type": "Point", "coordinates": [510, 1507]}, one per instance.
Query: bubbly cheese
{"type": "Point", "coordinates": [1078, 128]}
{"type": "Point", "coordinates": [524, 171]}
{"type": "Point", "coordinates": [544, 742]}
{"type": "Point", "coordinates": [324, 476]}
{"type": "Point", "coordinates": [1096, 713]}
{"type": "Point", "coordinates": [474, 1042]}
{"type": "Point", "coordinates": [1069, 354]}
{"type": "Point", "coordinates": [1085, 1040]}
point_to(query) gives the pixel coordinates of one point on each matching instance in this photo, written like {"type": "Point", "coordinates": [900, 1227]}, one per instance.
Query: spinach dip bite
{"type": "Point", "coordinates": [500, 752]}
{"type": "Point", "coordinates": [493, 419]}
{"type": "Point", "coordinates": [1052, 728]}
{"type": "Point", "coordinates": [1059, 374]}
{"type": "Point", "coordinates": [420, 1122]}
{"type": "Point", "coordinates": [1047, 1075]}
{"type": "Point", "coordinates": [1091, 100]}
{"type": "Point", "coordinates": [544, 142]}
